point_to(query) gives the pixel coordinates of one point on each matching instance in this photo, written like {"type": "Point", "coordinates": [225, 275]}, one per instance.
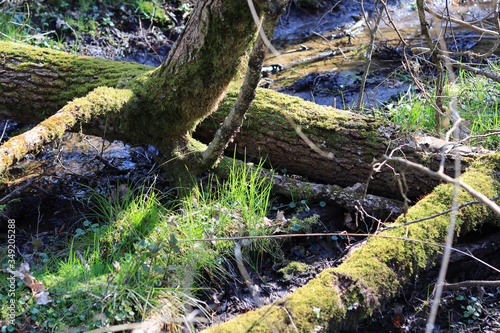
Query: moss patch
{"type": "Point", "coordinates": [340, 297]}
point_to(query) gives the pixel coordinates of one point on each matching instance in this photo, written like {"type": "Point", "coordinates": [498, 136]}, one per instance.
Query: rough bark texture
{"type": "Point", "coordinates": [340, 297]}
{"type": "Point", "coordinates": [354, 140]}
{"type": "Point", "coordinates": [193, 79]}
{"type": "Point", "coordinates": [33, 82]}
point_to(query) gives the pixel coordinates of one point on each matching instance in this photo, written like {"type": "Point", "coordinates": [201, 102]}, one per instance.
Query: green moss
{"type": "Point", "coordinates": [377, 271]}
{"type": "Point", "coordinates": [294, 267]}
{"type": "Point", "coordinates": [325, 126]}
{"type": "Point", "coordinates": [63, 76]}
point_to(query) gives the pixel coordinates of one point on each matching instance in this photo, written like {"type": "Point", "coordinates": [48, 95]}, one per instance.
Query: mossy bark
{"type": "Point", "coordinates": [340, 297]}
{"type": "Point", "coordinates": [354, 140]}
{"type": "Point", "coordinates": [35, 82]}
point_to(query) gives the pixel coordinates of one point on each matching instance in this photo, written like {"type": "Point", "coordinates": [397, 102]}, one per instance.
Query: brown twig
{"type": "Point", "coordinates": [444, 177]}
{"type": "Point", "coordinates": [471, 283]}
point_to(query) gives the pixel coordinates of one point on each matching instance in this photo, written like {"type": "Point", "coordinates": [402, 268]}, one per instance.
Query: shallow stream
{"type": "Point", "coordinates": [323, 54]}
{"type": "Point", "coordinates": [60, 176]}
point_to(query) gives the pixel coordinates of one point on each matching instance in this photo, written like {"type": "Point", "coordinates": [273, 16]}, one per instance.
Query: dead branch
{"type": "Point", "coordinates": [476, 194]}
{"type": "Point", "coordinates": [468, 25]}
{"type": "Point", "coordinates": [463, 284]}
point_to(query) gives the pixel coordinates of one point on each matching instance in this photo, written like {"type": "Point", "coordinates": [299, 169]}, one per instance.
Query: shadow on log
{"type": "Point", "coordinates": [374, 273]}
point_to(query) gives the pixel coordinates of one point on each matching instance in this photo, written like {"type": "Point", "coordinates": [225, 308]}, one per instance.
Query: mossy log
{"type": "Point", "coordinates": [350, 198]}
{"type": "Point", "coordinates": [35, 83]}
{"type": "Point", "coordinates": [352, 140]}
{"type": "Point", "coordinates": [373, 274]}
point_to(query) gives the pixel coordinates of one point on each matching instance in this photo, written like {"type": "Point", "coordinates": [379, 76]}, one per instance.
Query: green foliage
{"type": "Point", "coordinates": [477, 103]}
{"type": "Point", "coordinates": [34, 22]}
{"type": "Point", "coordinates": [133, 251]}
{"type": "Point", "coordinates": [150, 10]}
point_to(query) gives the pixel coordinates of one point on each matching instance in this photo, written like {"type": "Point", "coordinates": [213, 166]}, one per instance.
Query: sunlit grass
{"type": "Point", "coordinates": [477, 103]}
{"type": "Point", "coordinates": [134, 254]}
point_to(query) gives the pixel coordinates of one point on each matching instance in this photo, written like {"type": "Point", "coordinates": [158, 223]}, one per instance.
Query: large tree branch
{"type": "Point", "coordinates": [101, 101]}
{"type": "Point", "coordinates": [373, 274]}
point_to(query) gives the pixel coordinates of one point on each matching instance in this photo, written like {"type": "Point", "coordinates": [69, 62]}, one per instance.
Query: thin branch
{"type": "Point", "coordinates": [482, 283]}
{"type": "Point", "coordinates": [473, 70]}
{"type": "Point", "coordinates": [439, 66]}
{"type": "Point", "coordinates": [480, 136]}
{"type": "Point", "coordinates": [447, 252]}
{"type": "Point", "coordinates": [437, 215]}
{"type": "Point", "coordinates": [444, 177]}
{"type": "Point", "coordinates": [369, 54]}
{"type": "Point", "coordinates": [460, 22]}
{"type": "Point", "coordinates": [391, 21]}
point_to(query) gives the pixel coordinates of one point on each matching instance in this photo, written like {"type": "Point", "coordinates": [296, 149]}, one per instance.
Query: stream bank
{"type": "Point", "coordinates": [126, 163]}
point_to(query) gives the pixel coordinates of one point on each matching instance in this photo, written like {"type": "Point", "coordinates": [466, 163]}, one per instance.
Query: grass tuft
{"type": "Point", "coordinates": [132, 257]}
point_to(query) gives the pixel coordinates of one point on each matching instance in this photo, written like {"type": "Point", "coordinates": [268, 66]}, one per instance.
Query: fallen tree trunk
{"type": "Point", "coordinates": [351, 199]}
{"type": "Point", "coordinates": [353, 142]}
{"type": "Point", "coordinates": [35, 82]}
{"type": "Point", "coordinates": [373, 274]}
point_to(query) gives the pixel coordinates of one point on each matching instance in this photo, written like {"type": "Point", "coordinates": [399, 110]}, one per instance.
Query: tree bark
{"type": "Point", "coordinates": [33, 81]}
{"type": "Point", "coordinates": [373, 274]}
{"type": "Point", "coordinates": [354, 140]}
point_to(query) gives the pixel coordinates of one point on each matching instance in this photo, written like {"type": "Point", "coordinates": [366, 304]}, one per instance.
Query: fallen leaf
{"type": "Point", "coordinates": [40, 294]}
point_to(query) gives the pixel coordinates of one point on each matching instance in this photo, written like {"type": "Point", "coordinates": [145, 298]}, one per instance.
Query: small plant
{"type": "Point", "coordinates": [477, 103]}
{"type": "Point", "coordinates": [152, 11]}
{"type": "Point", "coordinates": [472, 310]}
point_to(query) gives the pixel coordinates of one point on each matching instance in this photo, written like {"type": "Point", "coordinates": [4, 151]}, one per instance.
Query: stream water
{"type": "Point", "coordinates": [336, 43]}
{"type": "Point", "coordinates": [60, 176]}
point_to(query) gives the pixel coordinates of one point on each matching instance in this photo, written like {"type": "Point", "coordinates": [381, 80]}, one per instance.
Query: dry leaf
{"type": "Point", "coordinates": [281, 219]}
{"type": "Point", "coordinates": [37, 288]}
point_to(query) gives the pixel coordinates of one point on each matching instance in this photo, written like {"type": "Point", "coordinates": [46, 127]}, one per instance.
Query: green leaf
{"type": "Point", "coordinates": [322, 204]}
{"type": "Point", "coordinates": [296, 227]}
{"type": "Point", "coordinates": [293, 205]}
{"type": "Point", "coordinates": [173, 240]}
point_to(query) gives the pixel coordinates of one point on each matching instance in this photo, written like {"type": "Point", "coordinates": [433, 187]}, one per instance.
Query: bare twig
{"type": "Point", "coordinates": [482, 283]}
{"type": "Point", "coordinates": [244, 272]}
{"type": "Point", "coordinates": [446, 255]}
{"type": "Point", "coordinates": [462, 23]}
{"type": "Point", "coordinates": [369, 54]}
{"type": "Point", "coordinates": [437, 215]}
{"type": "Point", "coordinates": [444, 177]}
{"type": "Point", "coordinates": [480, 136]}
{"type": "Point", "coordinates": [439, 66]}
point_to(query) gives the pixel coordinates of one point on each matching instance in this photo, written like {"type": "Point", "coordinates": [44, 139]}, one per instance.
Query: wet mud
{"type": "Point", "coordinates": [59, 177]}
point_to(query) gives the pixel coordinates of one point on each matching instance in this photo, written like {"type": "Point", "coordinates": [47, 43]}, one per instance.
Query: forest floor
{"type": "Point", "coordinates": [61, 175]}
